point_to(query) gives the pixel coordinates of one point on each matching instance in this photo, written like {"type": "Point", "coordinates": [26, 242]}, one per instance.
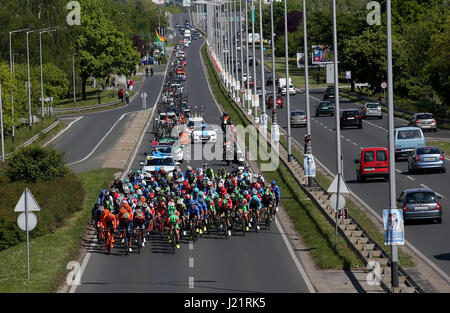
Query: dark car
{"type": "Point", "coordinates": [269, 81]}
{"type": "Point", "coordinates": [279, 102]}
{"type": "Point", "coordinates": [325, 108]}
{"type": "Point", "coordinates": [350, 118]}
{"type": "Point", "coordinates": [420, 204]}
{"type": "Point", "coordinates": [329, 93]}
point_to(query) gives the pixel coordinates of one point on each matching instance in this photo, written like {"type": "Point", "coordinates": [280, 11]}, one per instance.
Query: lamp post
{"type": "Point", "coordinates": [40, 57]}
{"type": "Point", "coordinates": [263, 93]}
{"type": "Point", "coordinates": [11, 60]}
{"type": "Point", "coordinates": [288, 110]}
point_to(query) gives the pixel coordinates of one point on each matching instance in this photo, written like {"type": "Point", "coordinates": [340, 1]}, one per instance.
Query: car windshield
{"type": "Point", "coordinates": [160, 162]}
{"type": "Point", "coordinates": [297, 113]}
{"type": "Point", "coordinates": [409, 134]}
{"type": "Point", "coordinates": [424, 116]}
{"type": "Point", "coordinates": [428, 150]}
{"type": "Point", "coordinates": [372, 105]}
{"type": "Point", "coordinates": [420, 197]}
{"type": "Point", "coordinates": [350, 113]}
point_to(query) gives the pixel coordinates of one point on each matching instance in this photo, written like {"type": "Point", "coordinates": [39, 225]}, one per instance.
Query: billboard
{"type": "Point", "coordinates": [320, 54]}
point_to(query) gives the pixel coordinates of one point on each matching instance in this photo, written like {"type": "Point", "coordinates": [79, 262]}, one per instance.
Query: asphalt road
{"type": "Point", "coordinates": [251, 263]}
{"type": "Point", "coordinates": [89, 140]}
{"type": "Point", "coordinates": [429, 238]}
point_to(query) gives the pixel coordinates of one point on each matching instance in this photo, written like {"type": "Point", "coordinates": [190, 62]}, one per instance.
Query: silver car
{"type": "Point", "coordinates": [426, 158]}
{"type": "Point", "coordinates": [371, 110]}
{"type": "Point", "coordinates": [298, 118]}
{"type": "Point", "coordinates": [419, 204]}
{"type": "Point", "coordinates": [425, 121]}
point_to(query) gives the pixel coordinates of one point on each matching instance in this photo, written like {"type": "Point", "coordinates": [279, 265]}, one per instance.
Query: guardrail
{"type": "Point", "coordinates": [34, 138]}
{"type": "Point", "coordinates": [365, 247]}
{"type": "Point", "coordinates": [439, 121]}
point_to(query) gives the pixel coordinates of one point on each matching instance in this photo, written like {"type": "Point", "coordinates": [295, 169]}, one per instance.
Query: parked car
{"type": "Point", "coordinates": [425, 121]}
{"type": "Point", "coordinates": [371, 110]}
{"type": "Point", "coordinates": [325, 107]}
{"type": "Point", "coordinates": [329, 93]}
{"type": "Point", "coordinates": [420, 204]}
{"type": "Point", "coordinates": [372, 162]}
{"type": "Point", "coordinates": [426, 158]}
{"type": "Point", "coordinates": [298, 118]}
{"type": "Point", "coordinates": [406, 140]}
{"type": "Point", "coordinates": [349, 118]}
{"type": "Point", "coordinates": [279, 101]}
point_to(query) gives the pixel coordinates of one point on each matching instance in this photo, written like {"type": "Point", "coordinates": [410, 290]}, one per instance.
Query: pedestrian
{"type": "Point", "coordinates": [127, 97]}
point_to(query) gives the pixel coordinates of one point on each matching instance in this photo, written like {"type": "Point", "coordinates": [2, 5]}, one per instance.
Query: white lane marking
{"type": "Point", "coordinates": [283, 235]}
{"type": "Point", "coordinates": [101, 140]}
{"type": "Point", "coordinates": [68, 126]}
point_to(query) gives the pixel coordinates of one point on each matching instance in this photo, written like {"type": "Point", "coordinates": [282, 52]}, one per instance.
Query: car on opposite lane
{"type": "Point", "coordinates": [424, 121]}
{"type": "Point", "coordinates": [420, 204]}
{"type": "Point", "coordinates": [329, 93]}
{"type": "Point", "coordinates": [372, 162]}
{"type": "Point", "coordinates": [371, 109]}
{"type": "Point", "coordinates": [298, 118]}
{"type": "Point", "coordinates": [406, 140]}
{"type": "Point", "coordinates": [350, 118]}
{"type": "Point", "coordinates": [325, 108]}
{"type": "Point", "coordinates": [426, 158]}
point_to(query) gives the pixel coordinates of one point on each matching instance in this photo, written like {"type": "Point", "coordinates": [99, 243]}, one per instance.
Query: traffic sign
{"type": "Point", "coordinates": [32, 221]}
{"type": "Point", "coordinates": [383, 85]}
{"type": "Point", "coordinates": [31, 202]}
{"type": "Point", "coordinates": [342, 187]}
{"type": "Point", "coordinates": [334, 204]}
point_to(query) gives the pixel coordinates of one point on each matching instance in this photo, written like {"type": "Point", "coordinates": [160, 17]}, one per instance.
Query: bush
{"type": "Point", "coordinates": [58, 200]}
{"type": "Point", "coordinates": [36, 164]}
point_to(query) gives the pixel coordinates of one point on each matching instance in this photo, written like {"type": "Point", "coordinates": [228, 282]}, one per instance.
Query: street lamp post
{"type": "Point", "coordinates": [263, 92]}
{"type": "Point", "coordinates": [288, 111]}
{"type": "Point", "coordinates": [40, 57]}
{"type": "Point", "coordinates": [274, 110]}
{"type": "Point", "coordinates": [11, 58]}
{"type": "Point", "coordinates": [392, 190]}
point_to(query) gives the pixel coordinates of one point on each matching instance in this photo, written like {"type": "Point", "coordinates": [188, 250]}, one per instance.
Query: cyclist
{"type": "Point", "coordinates": [255, 204]}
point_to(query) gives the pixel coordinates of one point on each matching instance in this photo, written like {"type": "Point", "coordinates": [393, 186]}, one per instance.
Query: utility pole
{"type": "Point", "coordinates": [288, 111]}
{"type": "Point", "coordinates": [392, 191]}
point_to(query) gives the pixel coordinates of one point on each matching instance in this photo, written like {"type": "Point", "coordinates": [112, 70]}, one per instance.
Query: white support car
{"type": "Point", "coordinates": [204, 133]}
{"type": "Point", "coordinates": [154, 164]}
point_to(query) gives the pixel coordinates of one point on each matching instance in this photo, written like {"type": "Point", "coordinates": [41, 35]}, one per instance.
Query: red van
{"type": "Point", "coordinates": [373, 162]}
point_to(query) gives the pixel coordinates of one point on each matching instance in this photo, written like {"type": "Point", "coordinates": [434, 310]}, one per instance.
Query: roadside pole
{"type": "Point", "coordinates": [392, 191]}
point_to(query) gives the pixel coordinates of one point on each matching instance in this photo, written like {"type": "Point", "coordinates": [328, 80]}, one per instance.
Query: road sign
{"type": "Point", "coordinates": [334, 204]}
{"type": "Point", "coordinates": [384, 85]}
{"type": "Point", "coordinates": [31, 202]}
{"type": "Point", "coordinates": [342, 187]}
{"type": "Point", "coordinates": [32, 221]}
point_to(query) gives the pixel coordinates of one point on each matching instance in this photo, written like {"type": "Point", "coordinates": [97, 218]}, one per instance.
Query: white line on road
{"type": "Point", "coordinates": [68, 126]}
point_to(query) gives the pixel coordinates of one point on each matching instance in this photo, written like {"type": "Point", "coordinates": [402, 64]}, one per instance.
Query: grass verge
{"type": "Point", "coordinates": [50, 253]}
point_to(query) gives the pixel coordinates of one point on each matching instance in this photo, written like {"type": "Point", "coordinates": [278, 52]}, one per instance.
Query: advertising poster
{"type": "Point", "coordinates": [394, 231]}
{"type": "Point", "coordinates": [309, 166]}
